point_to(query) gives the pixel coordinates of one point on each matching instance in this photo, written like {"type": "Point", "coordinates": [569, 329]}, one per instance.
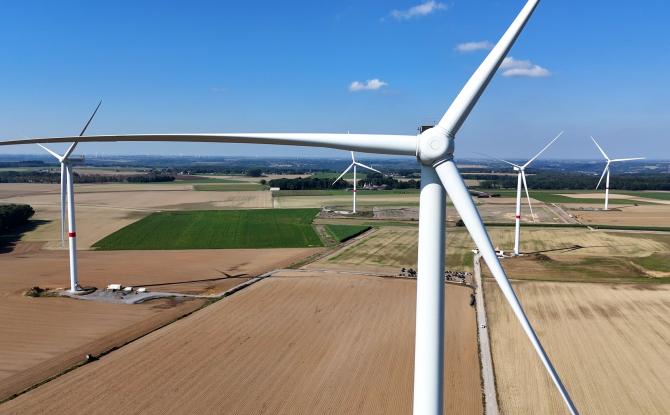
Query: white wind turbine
{"type": "Point", "coordinates": [434, 150]}
{"type": "Point", "coordinates": [67, 189]}
{"type": "Point", "coordinates": [353, 164]}
{"type": "Point", "coordinates": [521, 177]}
{"type": "Point", "coordinates": [607, 170]}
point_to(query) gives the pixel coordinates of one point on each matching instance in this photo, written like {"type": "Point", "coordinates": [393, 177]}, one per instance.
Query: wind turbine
{"type": "Point", "coordinates": [353, 164]}
{"type": "Point", "coordinates": [434, 150]}
{"type": "Point", "coordinates": [607, 170]}
{"type": "Point", "coordinates": [67, 190]}
{"type": "Point", "coordinates": [521, 177]}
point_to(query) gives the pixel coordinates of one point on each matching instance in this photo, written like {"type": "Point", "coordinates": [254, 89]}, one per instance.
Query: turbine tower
{"type": "Point", "coordinates": [353, 164]}
{"type": "Point", "coordinates": [607, 170]}
{"type": "Point", "coordinates": [434, 150]}
{"type": "Point", "coordinates": [521, 177]}
{"type": "Point", "coordinates": [67, 191]}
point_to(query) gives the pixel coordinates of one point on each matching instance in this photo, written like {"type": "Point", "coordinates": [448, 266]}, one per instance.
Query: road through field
{"type": "Point", "coordinates": [291, 344]}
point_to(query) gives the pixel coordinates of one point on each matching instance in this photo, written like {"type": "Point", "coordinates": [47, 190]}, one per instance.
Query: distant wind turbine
{"type": "Point", "coordinates": [521, 177]}
{"type": "Point", "coordinates": [607, 170]}
{"type": "Point", "coordinates": [67, 188]}
{"type": "Point", "coordinates": [353, 164]}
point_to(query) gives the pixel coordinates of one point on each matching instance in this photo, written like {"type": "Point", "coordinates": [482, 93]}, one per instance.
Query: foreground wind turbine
{"type": "Point", "coordinates": [521, 177]}
{"type": "Point", "coordinates": [607, 170]}
{"type": "Point", "coordinates": [67, 188]}
{"type": "Point", "coordinates": [353, 164]}
{"type": "Point", "coordinates": [434, 149]}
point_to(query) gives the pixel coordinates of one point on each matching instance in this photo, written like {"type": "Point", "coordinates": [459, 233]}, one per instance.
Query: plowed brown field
{"type": "Point", "coordinates": [609, 343]}
{"type": "Point", "coordinates": [286, 345]}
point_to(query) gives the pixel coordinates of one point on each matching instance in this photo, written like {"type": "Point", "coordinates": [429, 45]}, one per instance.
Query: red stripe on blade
{"type": "Point", "coordinates": [72, 234]}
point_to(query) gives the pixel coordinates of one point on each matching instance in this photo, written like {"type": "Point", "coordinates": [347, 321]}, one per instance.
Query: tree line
{"type": "Point", "coordinates": [307, 183]}
{"type": "Point", "coordinates": [574, 181]}
{"type": "Point", "coordinates": [48, 177]}
{"type": "Point", "coordinates": [313, 183]}
{"type": "Point", "coordinates": [13, 216]}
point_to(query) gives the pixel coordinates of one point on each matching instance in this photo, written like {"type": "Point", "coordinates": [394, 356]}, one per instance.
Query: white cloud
{"type": "Point", "coordinates": [422, 9]}
{"type": "Point", "coordinates": [474, 46]}
{"type": "Point", "coordinates": [369, 85]}
{"type": "Point", "coordinates": [513, 67]}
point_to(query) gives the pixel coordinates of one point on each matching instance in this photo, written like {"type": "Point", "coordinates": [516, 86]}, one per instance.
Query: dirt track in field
{"type": "Point", "coordinates": [609, 343]}
{"type": "Point", "coordinates": [286, 345]}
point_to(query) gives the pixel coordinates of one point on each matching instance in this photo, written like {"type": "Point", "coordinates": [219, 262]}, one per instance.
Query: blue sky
{"type": "Point", "coordinates": [212, 66]}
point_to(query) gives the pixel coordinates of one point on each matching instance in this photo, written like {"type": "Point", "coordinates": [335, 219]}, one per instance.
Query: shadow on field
{"type": "Point", "coordinates": [565, 249]}
{"type": "Point", "coordinates": [225, 277]}
{"type": "Point", "coordinates": [8, 241]}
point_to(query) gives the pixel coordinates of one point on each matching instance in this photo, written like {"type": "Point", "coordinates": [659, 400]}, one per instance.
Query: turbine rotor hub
{"type": "Point", "coordinates": [434, 146]}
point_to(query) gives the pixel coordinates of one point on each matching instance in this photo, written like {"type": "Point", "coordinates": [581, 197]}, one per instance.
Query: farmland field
{"type": "Point", "coordinates": [256, 228]}
{"type": "Point", "coordinates": [344, 232]}
{"type": "Point", "coordinates": [607, 341]}
{"type": "Point", "coordinates": [41, 337]}
{"type": "Point", "coordinates": [229, 187]}
{"type": "Point", "coordinates": [396, 247]}
{"type": "Point", "coordinates": [292, 344]}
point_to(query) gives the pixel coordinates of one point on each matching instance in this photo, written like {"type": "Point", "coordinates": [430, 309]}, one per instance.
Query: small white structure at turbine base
{"type": "Point", "coordinates": [353, 165]}
{"type": "Point", "coordinates": [607, 171]}
{"type": "Point", "coordinates": [433, 149]}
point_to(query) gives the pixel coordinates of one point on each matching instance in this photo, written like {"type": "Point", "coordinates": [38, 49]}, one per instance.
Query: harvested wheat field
{"type": "Point", "coordinates": [642, 215]}
{"type": "Point", "coordinates": [286, 345]}
{"type": "Point", "coordinates": [608, 342]}
{"type": "Point", "coordinates": [40, 337]}
{"type": "Point", "coordinates": [146, 199]}
{"type": "Point", "coordinates": [189, 271]}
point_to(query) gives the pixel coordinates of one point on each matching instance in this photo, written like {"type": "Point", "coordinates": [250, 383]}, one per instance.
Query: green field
{"type": "Point", "coordinates": [214, 229]}
{"type": "Point", "coordinates": [658, 261]}
{"type": "Point", "coordinates": [242, 187]}
{"type": "Point", "coordinates": [345, 232]}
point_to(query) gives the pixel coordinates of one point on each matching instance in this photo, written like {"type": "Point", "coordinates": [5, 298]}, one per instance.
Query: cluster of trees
{"type": "Point", "coordinates": [376, 179]}
{"type": "Point", "coordinates": [307, 183]}
{"type": "Point", "coordinates": [572, 181]}
{"type": "Point", "coordinates": [13, 216]}
{"type": "Point", "coordinates": [48, 177]}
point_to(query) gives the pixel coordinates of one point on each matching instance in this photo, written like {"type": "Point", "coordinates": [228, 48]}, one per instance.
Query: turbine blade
{"type": "Point", "coordinates": [607, 166]}
{"type": "Point", "coordinates": [600, 148]}
{"type": "Point", "coordinates": [353, 160]}
{"type": "Point", "coordinates": [70, 150]}
{"type": "Point", "coordinates": [460, 108]}
{"type": "Point", "coordinates": [458, 193]}
{"type": "Point", "coordinates": [404, 145]}
{"type": "Point", "coordinates": [343, 173]}
{"type": "Point", "coordinates": [501, 160]}
{"type": "Point", "coordinates": [628, 159]}
{"type": "Point", "coordinates": [367, 167]}
{"type": "Point", "coordinates": [525, 186]}
{"type": "Point", "coordinates": [53, 153]}
{"type": "Point", "coordinates": [542, 151]}
{"type": "Point", "coordinates": [90, 119]}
